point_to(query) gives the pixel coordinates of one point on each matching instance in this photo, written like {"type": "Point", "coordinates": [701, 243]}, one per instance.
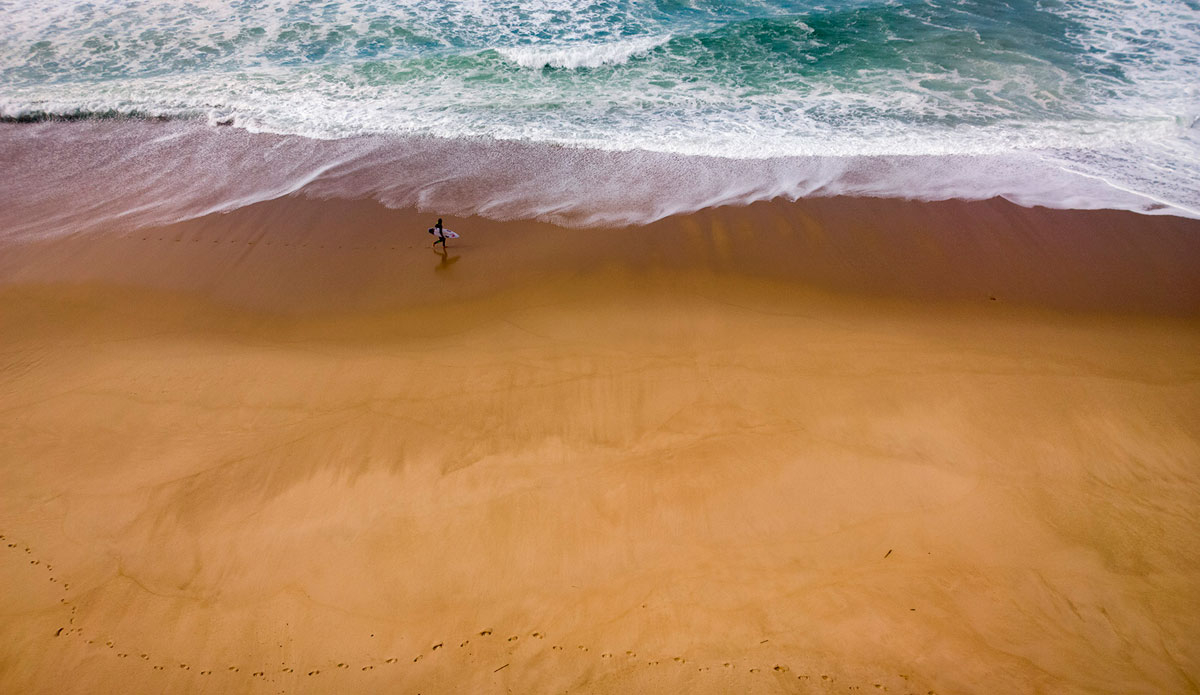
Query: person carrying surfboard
{"type": "Point", "coordinates": [440, 233]}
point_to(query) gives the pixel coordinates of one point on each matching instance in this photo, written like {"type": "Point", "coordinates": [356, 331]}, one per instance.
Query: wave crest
{"type": "Point", "coordinates": [583, 55]}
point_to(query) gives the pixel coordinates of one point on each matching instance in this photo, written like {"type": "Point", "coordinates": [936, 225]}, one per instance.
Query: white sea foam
{"type": "Point", "coordinates": [107, 38]}
{"type": "Point", "coordinates": [582, 55]}
{"type": "Point", "coordinates": [331, 104]}
{"type": "Point", "coordinates": [1154, 152]}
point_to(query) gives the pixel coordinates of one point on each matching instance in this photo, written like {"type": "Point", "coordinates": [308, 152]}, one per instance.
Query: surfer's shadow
{"type": "Point", "coordinates": [446, 260]}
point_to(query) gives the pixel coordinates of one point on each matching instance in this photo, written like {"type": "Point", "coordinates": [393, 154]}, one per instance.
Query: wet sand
{"type": "Point", "coordinates": [827, 446]}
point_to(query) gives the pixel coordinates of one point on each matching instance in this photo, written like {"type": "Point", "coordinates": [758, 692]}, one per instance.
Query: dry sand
{"type": "Point", "coordinates": [833, 446]}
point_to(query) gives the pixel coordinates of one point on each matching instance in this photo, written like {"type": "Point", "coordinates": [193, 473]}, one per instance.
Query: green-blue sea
{"type": "Point", "coordinates": [1074, 103]}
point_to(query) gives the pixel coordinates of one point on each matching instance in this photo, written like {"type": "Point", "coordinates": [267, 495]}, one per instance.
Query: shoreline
{"type": "Point", "coordinates": [143, 174]}
{"type": "Point", "coordinates": [300, 255]}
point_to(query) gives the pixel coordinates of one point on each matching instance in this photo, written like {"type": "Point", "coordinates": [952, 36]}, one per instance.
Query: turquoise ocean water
{"type": "Point", "coordinates": [1076, 104]}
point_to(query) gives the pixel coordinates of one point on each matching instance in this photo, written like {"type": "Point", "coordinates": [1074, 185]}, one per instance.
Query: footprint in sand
{"type": "Point", "coordinates": [513, 638]}
{"type": "Point", "coordinates": [256, 674]}
{"type": "Point", "coordinates": [343, 665]}
{"type": "Point", "coordinates": [539, 635]}
{"type": "Point", "coordinates": [185, 667]}
{"type": "Point", "coordinates": [680, 659]}
{"type": "Point", "coordinates": [145, 657]}
{"type": "Point", "coordinates": [630, 655]}
{"type": "Point", "coordinates": [417, 659]}
{"type": "Point", "coordinates": [391, 660]}
{"type": "Point", "coordinates": [781, 669]}
{"type": "Point", "coordinates": [368, 668]}
{"type": "Point", "coordinates": [753, 670]}
{"type": "Point", "coordinates": [313, 673]}
{"type": "Point", "coordinates": [286, 670]}
{"type": "Point", "coordinates": [122, 655]}
{"type": "Point", "coordinates": [158, 668]}
{"type": "Point", "coordinates": [436, 647]}
{"type": "Point", "coordinates": [583, 647]}
{"type": "Point", "coordinates": [465, 643]}
{"type": "Point", "coordinates": [605, 655]}
{"type": "Point", "coordinates": [235, 669]}
{"type": "Point", "coordinates": [484, 633]}
{"type": "Point", "coordinates": [206, 673]}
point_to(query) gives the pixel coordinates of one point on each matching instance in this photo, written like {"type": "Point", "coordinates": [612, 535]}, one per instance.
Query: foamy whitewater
{"type": "Point", "coordinates": [602, 112]}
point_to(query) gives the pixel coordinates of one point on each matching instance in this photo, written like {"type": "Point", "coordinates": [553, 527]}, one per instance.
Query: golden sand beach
{"type": "Point", "coordinates": [830, 446]}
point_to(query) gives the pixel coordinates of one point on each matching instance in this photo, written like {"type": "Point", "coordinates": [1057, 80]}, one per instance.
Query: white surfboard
{"type": "Point", "coordinates": [449, 234]}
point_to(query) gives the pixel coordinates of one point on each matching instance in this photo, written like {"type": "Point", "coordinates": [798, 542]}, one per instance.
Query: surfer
{"type": "Point", "coordinates": [440, 233]}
